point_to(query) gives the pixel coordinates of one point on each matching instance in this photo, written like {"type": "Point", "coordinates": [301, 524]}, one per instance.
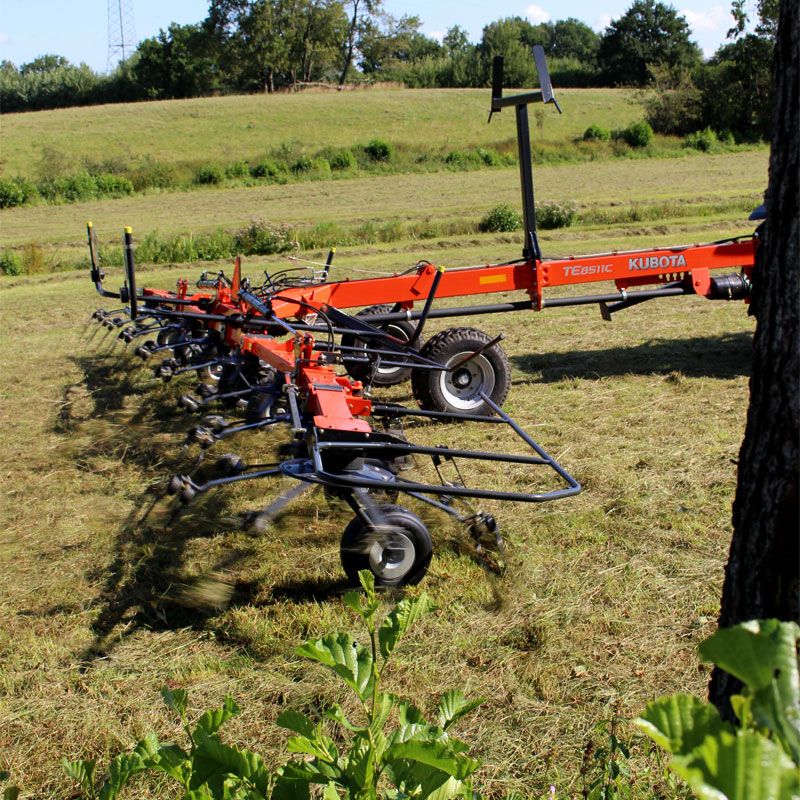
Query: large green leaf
{"type": "Point", "coordinates": [438, 754]}
{"type": "Point", "coordinates": [349, 660]}
{"type": "Point", "coordinates": [400, 619]}
{"type": "Point", "coordinates": [176, 699]}
{"type": "Point", "coordinates": [741, 766]}
{"type": "Point", "coordinates": [295, 721]}
{"type": "Point", "coordinates": [292, 780]}
{"type": "Point", "coordinates": [317, 745]}
{"type": "Point", "coordinates": [330, 792]}
{"type": "Point", "coordinates": [763, 655]}
{"type": "Point", "coordinates": [81, 771]}
{"type": "Point", "coordinates": [360, 765]}
{"type": "Point", "coordinates": [453, 705]}
{"type": "Point", "coordinates": [770, 711]}
{"type": "Point", "coordinates": [213, 759]}
{"type": "Point", "coordinates": [121, 769]}
{"type": "Point", "coordinates": [680, 722]}
{"type": "Point", "coordinates": [336, 713]}
{"type": "Point", "coordinates": [413, 779]}
{"type": "Point", "coordinates": [173, 761]}
{"type": "Point", "coordinates": [755, 651]}
{"type": "Point", "coordinates": [213, 719]}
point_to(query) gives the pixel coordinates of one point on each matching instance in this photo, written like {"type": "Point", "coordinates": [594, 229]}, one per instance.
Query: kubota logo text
{"type": "Point", "coordinates": [657, 262]}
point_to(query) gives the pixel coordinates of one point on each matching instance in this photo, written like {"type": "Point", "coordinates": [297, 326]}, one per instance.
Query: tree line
{"type": "Point", "coordinates": [245, 46]}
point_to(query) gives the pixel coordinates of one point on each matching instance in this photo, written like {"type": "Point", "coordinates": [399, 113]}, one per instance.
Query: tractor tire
{"type": "Point", "coordinates": [397, 554]}
{"type": "Point", "coordinates": [457, 391]}
{"type": "Point", "coordinates": [383, 376]}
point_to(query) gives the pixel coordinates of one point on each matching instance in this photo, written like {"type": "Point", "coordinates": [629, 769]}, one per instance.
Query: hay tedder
{"type": "Point", "coordinates": [289, 353]}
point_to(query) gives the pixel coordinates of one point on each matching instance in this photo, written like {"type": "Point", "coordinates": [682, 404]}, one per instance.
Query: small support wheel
{"type": "Point", "coordinates": [382, 376]}
{"type": "Point", "coordinates": [397, 552]}
{"type": "Point", "coordinates": [259, 407]}
{"type": "Point", "coordinates": [230, 464]}
{"type": "Point", "coordinates": [203, 436]}
{"type": "Point", "coordinates": [189, 403]}
{"type": "Point", "coordinates": [205, 390]}
{"type": "Point", "coordinates": [456, 389]}
{"type": "Point", "coordinates": [187, 494]}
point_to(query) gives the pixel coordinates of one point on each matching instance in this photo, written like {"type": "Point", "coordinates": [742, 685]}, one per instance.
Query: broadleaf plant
{"type": "Point", "coordinates": [759, 758]}
{"type": "Point", "coordinates": [414, 758]}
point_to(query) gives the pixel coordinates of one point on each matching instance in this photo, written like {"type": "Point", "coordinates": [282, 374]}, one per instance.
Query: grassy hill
{"type": "Point", "coordinates": [190, 132]}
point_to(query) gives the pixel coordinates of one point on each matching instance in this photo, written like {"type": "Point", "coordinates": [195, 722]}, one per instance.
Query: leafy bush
{"type": "Point", "coordinates": [392, 745]}
{"type": "Point", "coordinates": [209, 174]}
{"type": "Point", "coordinates": [238, 169]}
{"type": "Point", "coordinates": [15, 192]}
{"type": "Point", "coordinates": [706, 140]}
{"type": "Point", "coordinates": [491, 158]}
{"type": "Point", "coordinates": [262, 239]}
{"type": "Point", "coordinates": [10, 263]}
{"type": "Point", "coordinates": [303, 164]}
{"type": "Point", "coordinates": [152, 174]}
{"type": "Point", "coordinates": [554, 215]}
{"type": "Point", "coordinates": [339, 159]}
{"type": "Point", "coordinates": [596, 133]}
{"type": "Point", "coordinates": [267, 168]}
{"type": "Point", "coordinates": [378, 150]}
{"type": "Point", "coordinates": [71, 188]}
{"type": "Point", "coordinates": [462, 159]}
{"type": "Point", "coordinates": [637, 134]}
{"type": "Point", "coordinates": [501, 219]}
{"type": "Point", "coordinates": [761, 756]}
{"type": "Point", "coordinates": [113, 185]}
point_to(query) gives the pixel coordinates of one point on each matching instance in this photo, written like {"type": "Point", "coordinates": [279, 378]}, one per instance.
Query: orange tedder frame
{"type": "Point", "coordinates": [673, 270]}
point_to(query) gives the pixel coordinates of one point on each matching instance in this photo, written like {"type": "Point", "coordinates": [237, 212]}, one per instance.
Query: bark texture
{"type": "Point", "coordinates": [762, 575]}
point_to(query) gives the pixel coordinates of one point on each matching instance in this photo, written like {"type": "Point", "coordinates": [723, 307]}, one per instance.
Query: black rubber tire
{"type": "Point", "coordinates": [383, 376]}
{"type": "Point", "coordinates": [259, 407]}
{"type": "Point", "coordinates": [364, 548]}
{"type": "Point", "coordinates": [436, 390]}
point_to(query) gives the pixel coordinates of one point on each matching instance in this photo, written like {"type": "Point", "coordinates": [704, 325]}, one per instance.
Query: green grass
{"type": "Point", "coordinates": [615, 200]}
{"type": "Point", "coordinates": [229, 129]}
{"type": "Point", "coordinates": [106, 592]}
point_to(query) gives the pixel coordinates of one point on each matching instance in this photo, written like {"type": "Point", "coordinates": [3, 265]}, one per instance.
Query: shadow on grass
{"type": "Point", "coordinates": [118, 414]}
{"type": "Point", "coordinates": [724, 356]}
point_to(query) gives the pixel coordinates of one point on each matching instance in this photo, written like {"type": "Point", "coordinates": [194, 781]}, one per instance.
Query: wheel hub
{"type": "Point", "coordinates": [391, 555]}
{"type": "Point", "coordinates": [462, 387]}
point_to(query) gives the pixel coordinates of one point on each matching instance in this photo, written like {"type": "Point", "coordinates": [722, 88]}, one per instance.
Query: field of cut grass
{"type": "Point", "coordinates": [617, 201]}
{"type": "Point", "coordinates": [226, 129]}
{"type": "Point", "coordinates": [108, 591]}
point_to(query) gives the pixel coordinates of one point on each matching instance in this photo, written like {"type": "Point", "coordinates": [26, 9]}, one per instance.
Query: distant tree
{"type": "Point", "coordinates": [45, 63]}
{"type": "Point", "coordinates": [572, 38]}
{"type": "Point", "coordinates": [762, 577]}
{"type": "Point", "coordinates": [456, 41]}
{"type": "Point", "coordinates": [511, 38]}
{"type": "Point", "coordinates": [388, 43]}
{"type": "Point", "coordinates": [363, 12]}
{"type": "Point", "coordinates": [648, 33]}
{"type": "Point", "coordinates": [736, 86]}
{"type": "Point", "coordinates": [174, 64]}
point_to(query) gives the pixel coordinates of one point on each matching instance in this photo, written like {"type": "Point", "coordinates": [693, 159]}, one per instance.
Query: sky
{"type": "Point", "coordinates": [79, 31]}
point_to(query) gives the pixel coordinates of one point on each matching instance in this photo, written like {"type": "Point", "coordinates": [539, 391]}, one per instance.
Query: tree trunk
{"type": "Point", "coordinates": [351, 40]}
{"type": "Point", "coordinates": [761, 578]}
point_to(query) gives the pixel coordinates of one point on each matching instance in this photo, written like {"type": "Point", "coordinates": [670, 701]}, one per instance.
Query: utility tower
{"type": "Point", "coordinates": [121, 32]}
